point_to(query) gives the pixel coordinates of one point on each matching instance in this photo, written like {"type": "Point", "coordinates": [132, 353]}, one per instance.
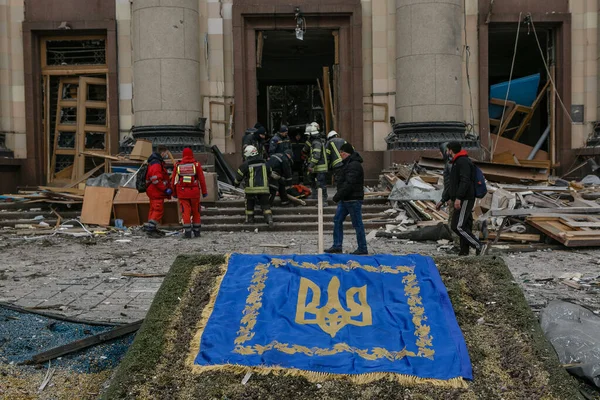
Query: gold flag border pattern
{"type": "Point", "coordinates": [254, 303]}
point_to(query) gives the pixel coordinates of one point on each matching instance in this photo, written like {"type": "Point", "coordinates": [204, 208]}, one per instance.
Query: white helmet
{"type": "Point", "coordinates": [332, 134]}
{"type": "Point", "coordinates": [314, 131]}
{"type": "Point", "coordinates": [250, 151]}
{"type": "Point", "coordinates": [315, 126]}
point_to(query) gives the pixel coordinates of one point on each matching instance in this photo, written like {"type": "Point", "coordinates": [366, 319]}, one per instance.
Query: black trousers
{"type": "Point", "coordinates": [275, 187]}
{"type": "Point", "coordinates": [262, 199]}
{"type": "Point", "coordinates": [462, 224]}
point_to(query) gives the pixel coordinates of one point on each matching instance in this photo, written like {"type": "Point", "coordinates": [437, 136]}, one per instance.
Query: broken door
{"type": "Point", "coordinates": [81, 127]}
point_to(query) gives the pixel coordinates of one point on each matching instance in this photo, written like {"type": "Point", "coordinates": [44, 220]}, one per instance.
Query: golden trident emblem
{"type": "Point", "coordinates": [332, 317]}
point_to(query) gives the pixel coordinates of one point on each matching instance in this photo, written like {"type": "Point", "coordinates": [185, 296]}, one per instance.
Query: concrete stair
{"type": "Point", "coordinates": [229, 216]}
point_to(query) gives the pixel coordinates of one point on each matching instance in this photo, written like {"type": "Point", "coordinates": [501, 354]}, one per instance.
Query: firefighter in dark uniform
{"type": "Point", "coordinates": [280, 142]}
{"type": "Point", "coordinates": [255, 173]}
{"type": "Point", "coordinates": [332, 148]}
{"type": "Point", "coordinates": [281, 176]}
{"type": "Point", "coordinates": [255, 137]}
{"type": "Point", "coordinates": [317, 164]}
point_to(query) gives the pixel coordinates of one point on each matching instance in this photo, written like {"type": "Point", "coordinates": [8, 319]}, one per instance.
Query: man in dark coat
{"type": "Point", "coordinates": [445, 193]}
{"type": "Point", "coordinates": [461, 190]}
{"type": "Point", "coordinates": [350, 195]}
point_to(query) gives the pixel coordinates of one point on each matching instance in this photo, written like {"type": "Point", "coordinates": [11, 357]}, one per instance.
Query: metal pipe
{"type": "Point", "coordinates": [539, 144]}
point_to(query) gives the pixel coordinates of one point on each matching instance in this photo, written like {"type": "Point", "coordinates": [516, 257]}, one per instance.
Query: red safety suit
{"type": "Point", "coordinates": [157, 183]}
{"type": "Point", "coordinates": [188, 180]}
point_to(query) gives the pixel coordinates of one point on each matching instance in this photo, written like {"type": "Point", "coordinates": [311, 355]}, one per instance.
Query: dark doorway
{"type": "Point", "coordinates": [528, 62]}
{"type": "Point", "coordinates": [287, 73]}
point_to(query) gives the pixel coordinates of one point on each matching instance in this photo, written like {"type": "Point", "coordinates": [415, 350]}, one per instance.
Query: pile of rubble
{"type": "Point", "coordinates": [516, 209]}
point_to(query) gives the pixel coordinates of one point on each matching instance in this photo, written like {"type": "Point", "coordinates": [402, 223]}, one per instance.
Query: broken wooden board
{"type": "Point", "coordinates": [501, 173]}
{"type": "Point", "coordinates": [133, 208]}
{"type": "Point", "coordinates": [97, 205]}
{"type": "Point", "coordinates": [515, 237]}
{"type": "Point", "coordinates": [84, 343]}
{"type": "Point", "coordinates": [568, 230]}
{"type": "Point", "coordinates": [522, 212]}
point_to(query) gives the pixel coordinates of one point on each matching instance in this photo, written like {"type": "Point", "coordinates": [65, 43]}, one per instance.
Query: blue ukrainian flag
{"type": "Point", "coordinates": [334, 315]}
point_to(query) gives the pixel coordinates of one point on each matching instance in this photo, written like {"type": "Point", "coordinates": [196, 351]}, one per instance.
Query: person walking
{"type": "Point", "coordinates": [255, 173]}
{"type": "Point", "coordinates": [188, 180]}
{"type": "Point", "coordinates": [445, 193]}
{"type": "Point", "coordinates": [158, 188]}
{"type": "Point", "coordinates": [461, 191]}
{"type": "Point", "coordinates": [349, 198]}
{"type": "Point", "coordinates": [280, 142]}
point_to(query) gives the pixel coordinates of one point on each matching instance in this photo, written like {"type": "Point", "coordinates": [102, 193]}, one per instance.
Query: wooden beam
{"type": "Point", "coordinates": [327, 105]}
{"type": "Point", "coordinates": [522, 212]}
{"type": "Point", "coordinates": [83, 343]}
{"type": "Point", "coordinates": [259, 49]}
{"type": "Point", "coordinates": [336, 41]}
{"type": "Point", "coordinates": [85, 177]}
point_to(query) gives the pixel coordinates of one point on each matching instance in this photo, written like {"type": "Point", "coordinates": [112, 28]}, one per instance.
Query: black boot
{"type": "Point", "coordinates": [187, 231]}
{"type": "Point", "coordinates": [269, 218]}
{"type": "Point", "coordinates": [196, 230]}
{"type": "Point", "coordinates": [249, 219]}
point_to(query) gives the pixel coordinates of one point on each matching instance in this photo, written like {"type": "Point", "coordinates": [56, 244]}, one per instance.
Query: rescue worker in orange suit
{"type": "Point", "coordinates": [159, 188]}
{"type": "Point", "coordinates": [188, 180]}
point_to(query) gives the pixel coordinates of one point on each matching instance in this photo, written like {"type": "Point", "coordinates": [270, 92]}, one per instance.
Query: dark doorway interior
{"type": "Point", "coordinates": [528, 61]}
{"type": "Point", "coordinates": [287, 74]}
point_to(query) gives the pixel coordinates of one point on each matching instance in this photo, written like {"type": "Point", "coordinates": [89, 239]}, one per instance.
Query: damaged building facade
{"type": "Point", "coordinates": [393, 77]}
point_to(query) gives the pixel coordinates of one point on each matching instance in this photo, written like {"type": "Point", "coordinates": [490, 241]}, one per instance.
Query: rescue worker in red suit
{"type": "Point", "coordinates": [188, 180]}
{"type": "Point", "coordinates": [158, 188]}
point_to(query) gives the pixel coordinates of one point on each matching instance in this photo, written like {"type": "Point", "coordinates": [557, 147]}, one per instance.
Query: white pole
{"type": "Point", "coordinates": [320, 205]}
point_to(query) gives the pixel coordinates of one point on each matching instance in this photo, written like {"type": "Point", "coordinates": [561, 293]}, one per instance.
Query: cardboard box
{"type": "Point", "coordinates": [142, 150]}
{"type": "Point", "coordinates": [212, 187]}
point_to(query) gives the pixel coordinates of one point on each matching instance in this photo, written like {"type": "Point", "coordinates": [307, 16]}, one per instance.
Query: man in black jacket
{"type": "Point", "coordinates": [445, 193]}
{"type": "Point", "coordinates": [349, 196]}
{"type": "Point", "coordinates": [461, 191]}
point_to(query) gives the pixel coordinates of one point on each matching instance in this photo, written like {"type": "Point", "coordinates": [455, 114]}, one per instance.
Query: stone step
{"type": "Point", "coordinates": [291, 219]}
{"type": "Point", "coordinates": [309, 202]}
{"type": "Point", "coordinates": [308, 210]}
{"type": "Point", "coordinates": [285, 227]}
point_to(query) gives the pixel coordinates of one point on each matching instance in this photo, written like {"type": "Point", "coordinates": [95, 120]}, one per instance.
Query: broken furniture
{"type": "Point", "coordinates": [521, 99]}
{"type": "Point", "coordinates": [133, 207]}
{"type": "Point", "coordinates": [570, 230]}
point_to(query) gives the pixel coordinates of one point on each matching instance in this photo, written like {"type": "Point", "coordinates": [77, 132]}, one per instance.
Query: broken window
{"type": "Point", "coordinates": [75, 52]}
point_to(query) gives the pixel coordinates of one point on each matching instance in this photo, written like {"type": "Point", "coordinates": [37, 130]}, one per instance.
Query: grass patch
{"type": "Point", "coordinates": [511, 358]}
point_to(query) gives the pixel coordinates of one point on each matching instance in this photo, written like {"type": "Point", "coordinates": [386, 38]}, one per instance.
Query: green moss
{"type": "Point", "coordinates": [510, 356]}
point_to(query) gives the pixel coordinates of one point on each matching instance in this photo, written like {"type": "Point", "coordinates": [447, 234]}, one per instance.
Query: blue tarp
{"type": "Point", "coordinates": [337, 314]}
{"type": "Point", "coordinates": [523, 91]}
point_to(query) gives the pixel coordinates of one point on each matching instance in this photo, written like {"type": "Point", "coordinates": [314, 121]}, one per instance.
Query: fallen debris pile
{"type": "Point", "coordinates": [523, 204]}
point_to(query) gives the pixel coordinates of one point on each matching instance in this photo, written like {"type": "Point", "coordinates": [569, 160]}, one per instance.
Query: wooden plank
{"type": "Point", "coordinates": [336, 43]}
{"type": "Point", "coordinates": [101, 155]}
{"type": "Point", "coordinates": [77, 192]}
{"type": "Point", "coordinates": [327, 105]}
{"type": "Point", "coordinates": [86, 176]}
{"type": "Point", "coordinates": [64, 174]}
{"type": "Point", "coordinates": [496, 172]}
{"type": "Point", "coordinates": [84, 343]}
{"type": "Point", "coordinates": [516, 237]}
{"type": "Point", "coordinates": [259, 49]}
{"type": "Point", "coordinates": [97, 205]}
{"type": "Point", "coordinates": [545, 211]}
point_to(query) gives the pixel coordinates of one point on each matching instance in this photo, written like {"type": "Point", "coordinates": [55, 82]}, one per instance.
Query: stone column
{"type": "Point", "coordinates": [428, 60]}
{"type": "Point", "coordinates": [166, 62]}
